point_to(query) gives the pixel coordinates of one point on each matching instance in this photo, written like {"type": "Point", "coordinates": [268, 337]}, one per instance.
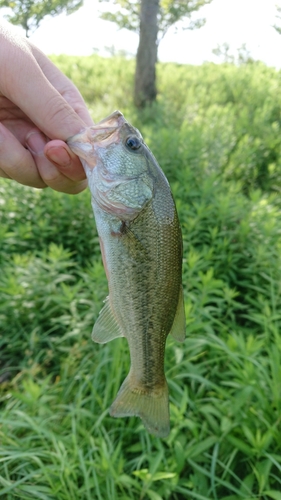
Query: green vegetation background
{"type": "Point", "coordinates": [216, 133]}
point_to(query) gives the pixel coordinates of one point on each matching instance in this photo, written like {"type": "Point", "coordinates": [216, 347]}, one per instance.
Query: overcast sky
{"type": "Point", "coordinates": [232, 21]}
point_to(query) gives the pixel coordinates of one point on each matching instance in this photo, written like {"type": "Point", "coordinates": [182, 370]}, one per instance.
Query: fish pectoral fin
{"type": "Point", "coordinates": [178, 327]}
{"type": "Point", "coordinates": [151, 406]}
{"type": "Point", "coordinates": [106, 327]}
{"type": "Point", "coordinates": [137, 250]}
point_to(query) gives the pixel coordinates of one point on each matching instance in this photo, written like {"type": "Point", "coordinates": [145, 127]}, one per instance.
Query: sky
{"type": "Point", "coordinates": [235, 22]}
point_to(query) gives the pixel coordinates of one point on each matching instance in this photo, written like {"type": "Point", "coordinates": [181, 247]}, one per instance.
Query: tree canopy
{"type": "Point", "coordinates": [278, 28]}
{"type": "Point", "coordinates": [127, 14]}
{"type": "Point", "coordinates": [30, 13]}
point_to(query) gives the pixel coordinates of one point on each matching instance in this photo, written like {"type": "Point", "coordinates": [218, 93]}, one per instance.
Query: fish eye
{"type": "Point", "coordinates": [133, 143]}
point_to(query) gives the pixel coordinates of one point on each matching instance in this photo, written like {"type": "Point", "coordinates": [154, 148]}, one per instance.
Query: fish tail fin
{"type": "Point", "coordinates": [151, 406]}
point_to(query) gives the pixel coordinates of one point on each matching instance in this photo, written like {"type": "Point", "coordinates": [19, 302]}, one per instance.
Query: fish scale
{"type": "Point", "coordinates": [141, 246]}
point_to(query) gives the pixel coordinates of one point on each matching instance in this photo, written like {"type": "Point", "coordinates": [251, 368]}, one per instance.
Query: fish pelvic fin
{"type": "Point", "coordinates": [152, 406]}
{"type": "Point", "coordinates": [106, 327]}
{"type": "Point", "coordinates": [178, 327]}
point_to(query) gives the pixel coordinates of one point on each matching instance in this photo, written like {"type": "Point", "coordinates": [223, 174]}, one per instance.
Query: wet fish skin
{"type": "Point", "coordinates": [141, 246]}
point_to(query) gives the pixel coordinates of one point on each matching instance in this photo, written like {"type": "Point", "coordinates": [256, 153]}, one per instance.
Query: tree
{"type": "Point", "coordinates": [151, 19]}
{"type": "Point", "coordinates": [145, 76]}
{"type": "Point", "coordinates": [29, 13]}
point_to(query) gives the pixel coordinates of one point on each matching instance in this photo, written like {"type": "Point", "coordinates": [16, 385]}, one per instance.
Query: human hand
{"type": "Point", "coordinates": [40, 108]}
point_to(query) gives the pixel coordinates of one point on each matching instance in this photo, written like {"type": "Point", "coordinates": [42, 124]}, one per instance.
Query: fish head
{"type": "Point", "coordinates": [112, 142]}
{"type": "Point", "coordinates": [102, 134]}
{"type": "Point", "coordinates": [114, 157]}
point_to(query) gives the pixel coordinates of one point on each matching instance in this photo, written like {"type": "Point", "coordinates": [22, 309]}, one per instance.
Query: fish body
{"type": "Point", "coordinates": [141, 244]}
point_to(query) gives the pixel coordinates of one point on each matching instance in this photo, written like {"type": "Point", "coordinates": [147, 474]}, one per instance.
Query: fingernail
{"type": "Point", "coordinates": [35, 141]}
{"type": "Point", "coordinates": [59, 156]}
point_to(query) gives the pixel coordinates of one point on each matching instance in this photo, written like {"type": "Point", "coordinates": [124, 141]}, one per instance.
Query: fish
{"type": "Point", "coordinates": [141, 245]}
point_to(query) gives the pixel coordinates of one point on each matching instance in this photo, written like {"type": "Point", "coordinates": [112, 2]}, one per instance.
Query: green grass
{"type": "Point", "coordinates": [215, 132]}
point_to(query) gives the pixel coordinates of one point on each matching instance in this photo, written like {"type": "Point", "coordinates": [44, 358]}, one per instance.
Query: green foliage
{"type": "Point", "coordinates": [278, 29]}
{"type": "Point", "coordinates": [215, 132]}
{"type": "Point", "coordinates": [127, 14]}
{"type": "Point", "coordinates": [106, 84]}
{"type": "Point", "coordinates": [233, 114]}
{"type": "Point", "coordinates": [30, 223]}
{"type": "Point", "coordinates": [30, 13]}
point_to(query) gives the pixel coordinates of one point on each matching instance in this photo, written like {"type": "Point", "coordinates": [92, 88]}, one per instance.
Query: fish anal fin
{"type": "Point", "coordinates": [152, 406]}
{"type": "Point", "coordinates": [178, 327]}
{"type": "Point", "coordinates": [106, 327]}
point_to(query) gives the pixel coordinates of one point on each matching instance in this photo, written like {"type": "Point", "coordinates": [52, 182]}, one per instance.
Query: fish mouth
{"type": "Point", "coordinates": [116, 119]}
{"type": "Point", "coordinates": [102, 134]}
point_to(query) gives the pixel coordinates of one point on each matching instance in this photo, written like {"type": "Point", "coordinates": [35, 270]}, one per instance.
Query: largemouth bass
{"type": "Point", "coordinates": [141, 245]}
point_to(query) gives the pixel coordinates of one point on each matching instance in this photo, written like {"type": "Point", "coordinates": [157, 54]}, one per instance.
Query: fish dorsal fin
{"type": "Point", "coordinates": [106, 327]}
{"type": "Point", "coordinates": [178, 327]}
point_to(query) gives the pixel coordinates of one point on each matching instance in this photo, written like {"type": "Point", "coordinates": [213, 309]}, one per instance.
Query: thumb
{"type": "Point", "coordinates": [25, 84]}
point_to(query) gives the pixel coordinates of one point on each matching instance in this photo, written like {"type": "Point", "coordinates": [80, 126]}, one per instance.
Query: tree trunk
{"type": "Point", "coordinates": [145, 77]}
